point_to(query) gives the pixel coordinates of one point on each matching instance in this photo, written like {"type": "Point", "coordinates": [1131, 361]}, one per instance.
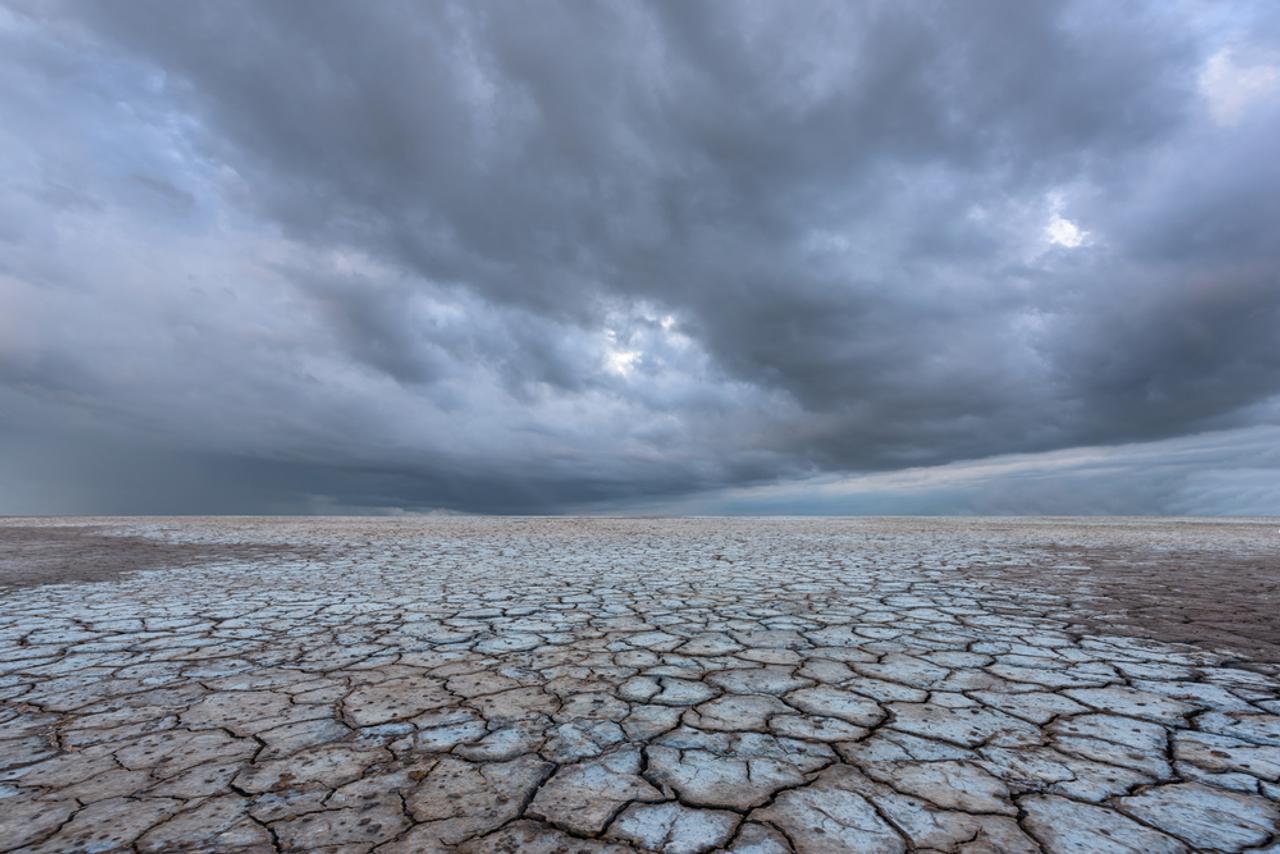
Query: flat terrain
{"type": "Point", "coordinates": [579, 685]}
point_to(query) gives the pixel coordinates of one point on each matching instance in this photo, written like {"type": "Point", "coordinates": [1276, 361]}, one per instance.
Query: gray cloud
{"type": "Point", "coordinates": [497, 257]}
{"type": "Point", "coordinates": [1234, 472]}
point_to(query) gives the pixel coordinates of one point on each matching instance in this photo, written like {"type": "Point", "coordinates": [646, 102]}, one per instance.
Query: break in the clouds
{"type": "Point", "coordinates": [308, 256]}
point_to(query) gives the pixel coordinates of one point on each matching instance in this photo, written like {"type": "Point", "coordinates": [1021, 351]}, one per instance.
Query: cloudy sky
{"type": "Point", "coordinates": [320, 256]}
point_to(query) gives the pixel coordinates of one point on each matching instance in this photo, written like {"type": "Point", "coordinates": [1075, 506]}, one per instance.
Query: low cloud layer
{"type": "Point", "coordinates": [323, 256]}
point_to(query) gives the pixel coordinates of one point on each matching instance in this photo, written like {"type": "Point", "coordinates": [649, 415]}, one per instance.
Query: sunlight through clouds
{"type": "Point", "coordinates": [1232, 87]}
{"type": "Point", "coordinates": [1064, 232]}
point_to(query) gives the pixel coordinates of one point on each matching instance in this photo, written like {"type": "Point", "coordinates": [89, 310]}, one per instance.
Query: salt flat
{"type": "Point", "coordinates": [579, 685]}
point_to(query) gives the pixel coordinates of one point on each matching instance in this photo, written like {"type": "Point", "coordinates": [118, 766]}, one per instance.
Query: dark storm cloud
{"type": "Point", "coordinates": [514, 257]}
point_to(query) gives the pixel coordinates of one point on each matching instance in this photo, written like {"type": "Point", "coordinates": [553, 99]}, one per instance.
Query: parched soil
{"type": "Point", "coordinates": [1211, 600]}
{"type": "Point", "coordinates": [615, 686]}
{"type": "Point", "coordinates": [65, 554]}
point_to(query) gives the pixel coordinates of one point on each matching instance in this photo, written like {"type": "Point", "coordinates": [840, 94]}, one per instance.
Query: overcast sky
{"type": "Point", "coordinates": [695, 257]}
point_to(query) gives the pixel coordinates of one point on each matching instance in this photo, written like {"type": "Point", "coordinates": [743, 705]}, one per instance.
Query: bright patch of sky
{"type": "Point", "coordinates": [618, 359]}
{"type": "Point", "coordinates": [1063, 232]}
{"type": "Point", "coordinates": [1233, 86]}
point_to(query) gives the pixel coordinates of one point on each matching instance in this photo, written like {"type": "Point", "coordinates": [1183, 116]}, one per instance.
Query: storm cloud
{"type": "Point", "coordinates": [331, 256]}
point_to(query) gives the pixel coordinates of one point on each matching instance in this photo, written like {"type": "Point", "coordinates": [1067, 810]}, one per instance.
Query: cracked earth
{"type": "Point", "coordinates": [678, 686]}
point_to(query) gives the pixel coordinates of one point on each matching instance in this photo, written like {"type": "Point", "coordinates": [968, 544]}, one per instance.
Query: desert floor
{"type": "Point", "coordinates": [592, 685]}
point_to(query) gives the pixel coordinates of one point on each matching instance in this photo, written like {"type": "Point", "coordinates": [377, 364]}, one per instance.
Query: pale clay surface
{"type": "Point", "coordinates": [683, 686]}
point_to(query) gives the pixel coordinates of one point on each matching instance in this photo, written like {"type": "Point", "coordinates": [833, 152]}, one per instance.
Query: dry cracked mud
{"type": "Point", "coordinates": [607, 685]}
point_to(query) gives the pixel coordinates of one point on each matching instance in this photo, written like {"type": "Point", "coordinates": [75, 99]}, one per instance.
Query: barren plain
{"type": "Point", "coordinates": [621, 685]}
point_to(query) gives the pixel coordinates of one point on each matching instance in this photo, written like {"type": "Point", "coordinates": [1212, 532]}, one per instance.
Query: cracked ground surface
{"type": "Point", "coordinates": [488, 685]}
